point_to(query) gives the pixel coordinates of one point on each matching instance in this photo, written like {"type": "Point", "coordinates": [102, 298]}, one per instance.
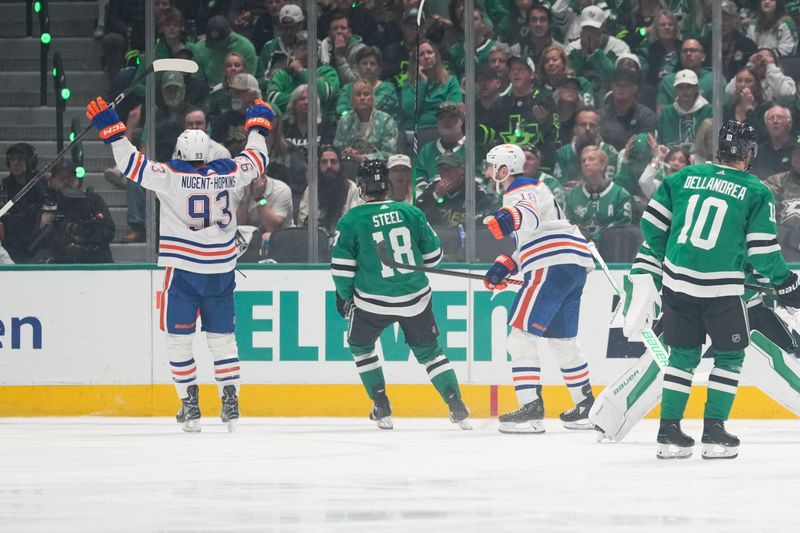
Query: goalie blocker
{"type": "Point", "coordinates": [772, 368]}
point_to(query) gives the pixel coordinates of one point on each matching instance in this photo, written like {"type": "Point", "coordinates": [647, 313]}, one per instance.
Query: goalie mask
{"type": "Point", "coordinates": [192, 146]}
{"type": "Point", "coordinates": [510, 156]}
{"type": "Point", "coordinates": [373, 177]}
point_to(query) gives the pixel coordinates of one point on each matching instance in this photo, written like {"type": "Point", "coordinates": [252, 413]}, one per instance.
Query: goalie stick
{"type": "Point", "coordinates": [159, 65]}
{"type": "Point", "coordinates": [383, 254]}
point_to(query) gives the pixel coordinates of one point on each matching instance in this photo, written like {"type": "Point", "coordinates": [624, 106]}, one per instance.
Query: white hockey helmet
{"type": "Point", "coordinates": [509, 155]}
{"type": "Point", "coordinates": [192, 145]}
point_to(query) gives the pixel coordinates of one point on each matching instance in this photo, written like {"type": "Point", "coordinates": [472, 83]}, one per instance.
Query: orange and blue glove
{"type": "Point", "coordinates": [260, 116]}
{"type": "Point", "coordinates": [106, 120]}
{"type": "Point", "coordinates": [495, 277]}
{"type": "Point", "coordinates": [504, 221]}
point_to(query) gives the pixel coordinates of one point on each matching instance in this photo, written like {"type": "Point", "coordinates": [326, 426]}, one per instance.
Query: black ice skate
{"type": "Point", "coordinates": [672, 442]}
{"type": "Point", "coordinates": [526, 419]}
{"type": "Point", "coordinates": [578, 416]}
{"type": "Point", "coordinates": [718, 443]}
{"type": "Point", "coordinates": [230, 407]}
{"type": "Point", "coordinates": [381, 409]}
{"type": "Point", "coordinates": [459, 414]}
{"type": "Point", "coordinates": [189, 415]}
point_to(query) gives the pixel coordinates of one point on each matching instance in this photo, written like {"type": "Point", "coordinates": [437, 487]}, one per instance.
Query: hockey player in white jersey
{"type": "Point", "coordinates": [197, 245]}
{"type": "Point", "coordinates": [553, 258]}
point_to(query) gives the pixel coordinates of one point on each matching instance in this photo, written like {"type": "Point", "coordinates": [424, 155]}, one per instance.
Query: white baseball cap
{"type": "Point", "coordinates": [685, 76]}
{"type": "Point", "coordinates": [398, 160]}
{"type": "Point", "coordinates": [291, 12]}
{"type": "Point", "coordinates": [592, 16]}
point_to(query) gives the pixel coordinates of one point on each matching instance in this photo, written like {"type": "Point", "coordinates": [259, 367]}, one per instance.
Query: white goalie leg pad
{"type": "Point", "coordinates": [573, 365]}
{"type": "Point", "coordinates": [526, 369]}
{"type": "Point", "coordinates": [774, 371]}
{"type": "Point", "coordinates": [181, 362]}
{"type": "Point", "coordinates": [628, 399]}
{"type": "Point", "coordinates": [226, 359]}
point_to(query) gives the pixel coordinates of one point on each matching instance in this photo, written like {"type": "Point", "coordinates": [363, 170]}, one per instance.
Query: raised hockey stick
{"type": "Point", "coordinates": [383, 254]}
{"type": "Point", "coordinates": [159, 65]}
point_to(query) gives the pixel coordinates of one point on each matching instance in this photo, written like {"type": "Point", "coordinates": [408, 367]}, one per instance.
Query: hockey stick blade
{"type": "Point", "coordinates": [176, 65]}
{"type": "Point", "coordinates": [383, 254]}
{"type": "Point", "coordinates": [160, 65]}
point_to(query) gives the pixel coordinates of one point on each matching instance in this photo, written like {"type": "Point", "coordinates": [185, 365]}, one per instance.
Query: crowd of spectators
{"type": "Point", "coordinates": [606, 98]}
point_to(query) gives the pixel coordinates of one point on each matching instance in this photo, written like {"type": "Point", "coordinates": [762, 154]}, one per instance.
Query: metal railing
{"type": "Point", "coordinates": [41, 8]}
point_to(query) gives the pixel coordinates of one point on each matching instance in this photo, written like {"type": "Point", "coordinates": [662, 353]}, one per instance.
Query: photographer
{"type": "Point", "coordinates": [75, 225]}
{"type": "Point", "coordinates": [19, 224]}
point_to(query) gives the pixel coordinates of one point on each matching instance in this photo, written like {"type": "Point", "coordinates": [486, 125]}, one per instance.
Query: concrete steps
{"type": "Point", "coordinates": [67, 19]}
{"type": "Point", "coordinates": [21, 89]}
{"type": "Point", "coordinates": [98, 156]}
{"type": "Point", "coordinates": [23, 54]}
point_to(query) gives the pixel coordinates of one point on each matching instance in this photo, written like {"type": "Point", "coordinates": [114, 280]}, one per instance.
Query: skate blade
{"type": "Point", "coordinates": [191, 426]}
{"type": "Point", "coordinates": [464, 424]}
{"type": "Point", "coordinates": [580, 425]}
{"type": "Point", "coordinates": [670, 451]}
{"type": "Point", "coordinates": [532, 427]}
{"type": "Point", "coordinates": [718, 451]}
{"type": "Point", "coordinates": [232, 425]}
{"type": "Point", "coordinates": [384, 423]}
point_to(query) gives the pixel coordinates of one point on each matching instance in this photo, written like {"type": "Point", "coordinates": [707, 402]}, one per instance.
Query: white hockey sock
{"type": "Point", "coordinates": [226, 360]}
{"type": "Point", "coordinates": [181, 362]}
{"type": "Point", "coordinates": [525, 367]}
{"type": "Point", "coordinates": [574, 368]}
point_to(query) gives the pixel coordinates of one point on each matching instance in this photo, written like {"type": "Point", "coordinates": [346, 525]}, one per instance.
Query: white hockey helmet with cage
{"type": "Point", "coordinates": [509, 155]}
{"type": "Point", "coordinates": [192, 145]}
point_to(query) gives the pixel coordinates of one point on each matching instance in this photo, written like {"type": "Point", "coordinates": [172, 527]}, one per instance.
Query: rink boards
{"type": "Point", "coordinates": [87, 341]}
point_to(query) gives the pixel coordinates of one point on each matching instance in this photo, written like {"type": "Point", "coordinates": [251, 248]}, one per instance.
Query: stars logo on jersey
{"type": "Point", "coordinates": [791, 209]}
{"type": "Point", "coordinates": [580, 210]}
{"type": "Point", "coordinates": [520, 132]}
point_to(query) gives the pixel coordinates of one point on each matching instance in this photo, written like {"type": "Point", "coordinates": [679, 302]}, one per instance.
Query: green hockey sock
{"type": "Point", "coordinates": [369, 368]}
{"type": "Point", "coordinates": [440, 372]}
{"type": "Point", "coordinates": [678, 381]}
{"type": "Point", "coordinates": [722, 384]}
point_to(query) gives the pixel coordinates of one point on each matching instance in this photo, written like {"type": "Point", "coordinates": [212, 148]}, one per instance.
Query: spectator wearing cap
{"type": "Point", "coordinates": [736, 47]}
{"type": "Point", "coordinates": [483, 44]}
{"type": "Point", "coordinates": [772, 28]}
{"type": "Point", "coordinates": [567, 16]}
{"type": "Point", "coordinates": [775, 85]}
{"type": "Point", "coordinates": [169, 117]}
{"type": "Point", "coordinates": [532, 169]}
{"type": "Point", "coordinates": [538, 37]}
{"type": "Point", "coordinates": [678, 123]}
{"type": "Point", "coordinates": [219, 100]}
{"type": "Point", "coordinates": [425, 88]}
{"type": "Point", "coordinates": [266, 22]}
{"type": "Point", "coordinates": [19, 224]}
{"type": "Point", "coordinates": [663, 51]}
{"type": "Point", "coordinates": [622, 115]}
{"type": "Point", "coordinates": [553, 66]}
{"type": "Point", "coordinates": [284, 81]}
{"type": "Point", "coordinates": [397, 53]}
{"type": "Point", "coordinates": [775, 153]}
{"type": "Point", "coordinates": [228, 129]}
{"type": "Point", "coordinates": [568, 104]}
{"type": "Point", "coordinates": [597, 203]}
{"type": "Point", "coordinates": [365, 132]}
{"type": "Point", "coordinates": [450, 127]}
{"type": "Point", "coordinates": [444, 201]}
{"type": "Point", "coordinates": [369, 62]}
{"type": "Point", "coordinates": [340, 47]}
{"type": "Point", "coordinates": [528, 115]}
{"type": "Point", "coordinates": [401, 184]}
{"type": "Point", "coordinates": [219, 42]}
{"type": "Point", "coordinates": [276, 53]}
{"type": "Point", "coordinates": [692, 58]}
{"type": "Point", "coordinates": [786, 187]}
{"type": "Point", "coordinates": [296, 121]}
{"type": "Point", "coordinates": [498, 60]}
{"type": "Point", "coordinates": [748, 102]}
{"type": "Point", "coordinates": [587, 132]}
{"type": "Point", "coordinates": [594, 55]}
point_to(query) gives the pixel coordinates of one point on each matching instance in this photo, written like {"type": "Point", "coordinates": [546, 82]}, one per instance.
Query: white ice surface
{"type": "Point", "coordinates": [337, 474]}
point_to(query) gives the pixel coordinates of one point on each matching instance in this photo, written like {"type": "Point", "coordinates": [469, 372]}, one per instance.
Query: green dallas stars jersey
{"type": "Point", "coordinates": [594, 212]}
{"type": "Point", "coordinates": [704, 225]}
{"type": "Point", "coordinates": [357, 270]}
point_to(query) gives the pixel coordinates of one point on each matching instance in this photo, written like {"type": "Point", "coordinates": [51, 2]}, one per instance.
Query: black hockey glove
{"type": "Point", "coordinates": [789, 292]}
{"type": "Point", "coordinates": [344, 306]}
